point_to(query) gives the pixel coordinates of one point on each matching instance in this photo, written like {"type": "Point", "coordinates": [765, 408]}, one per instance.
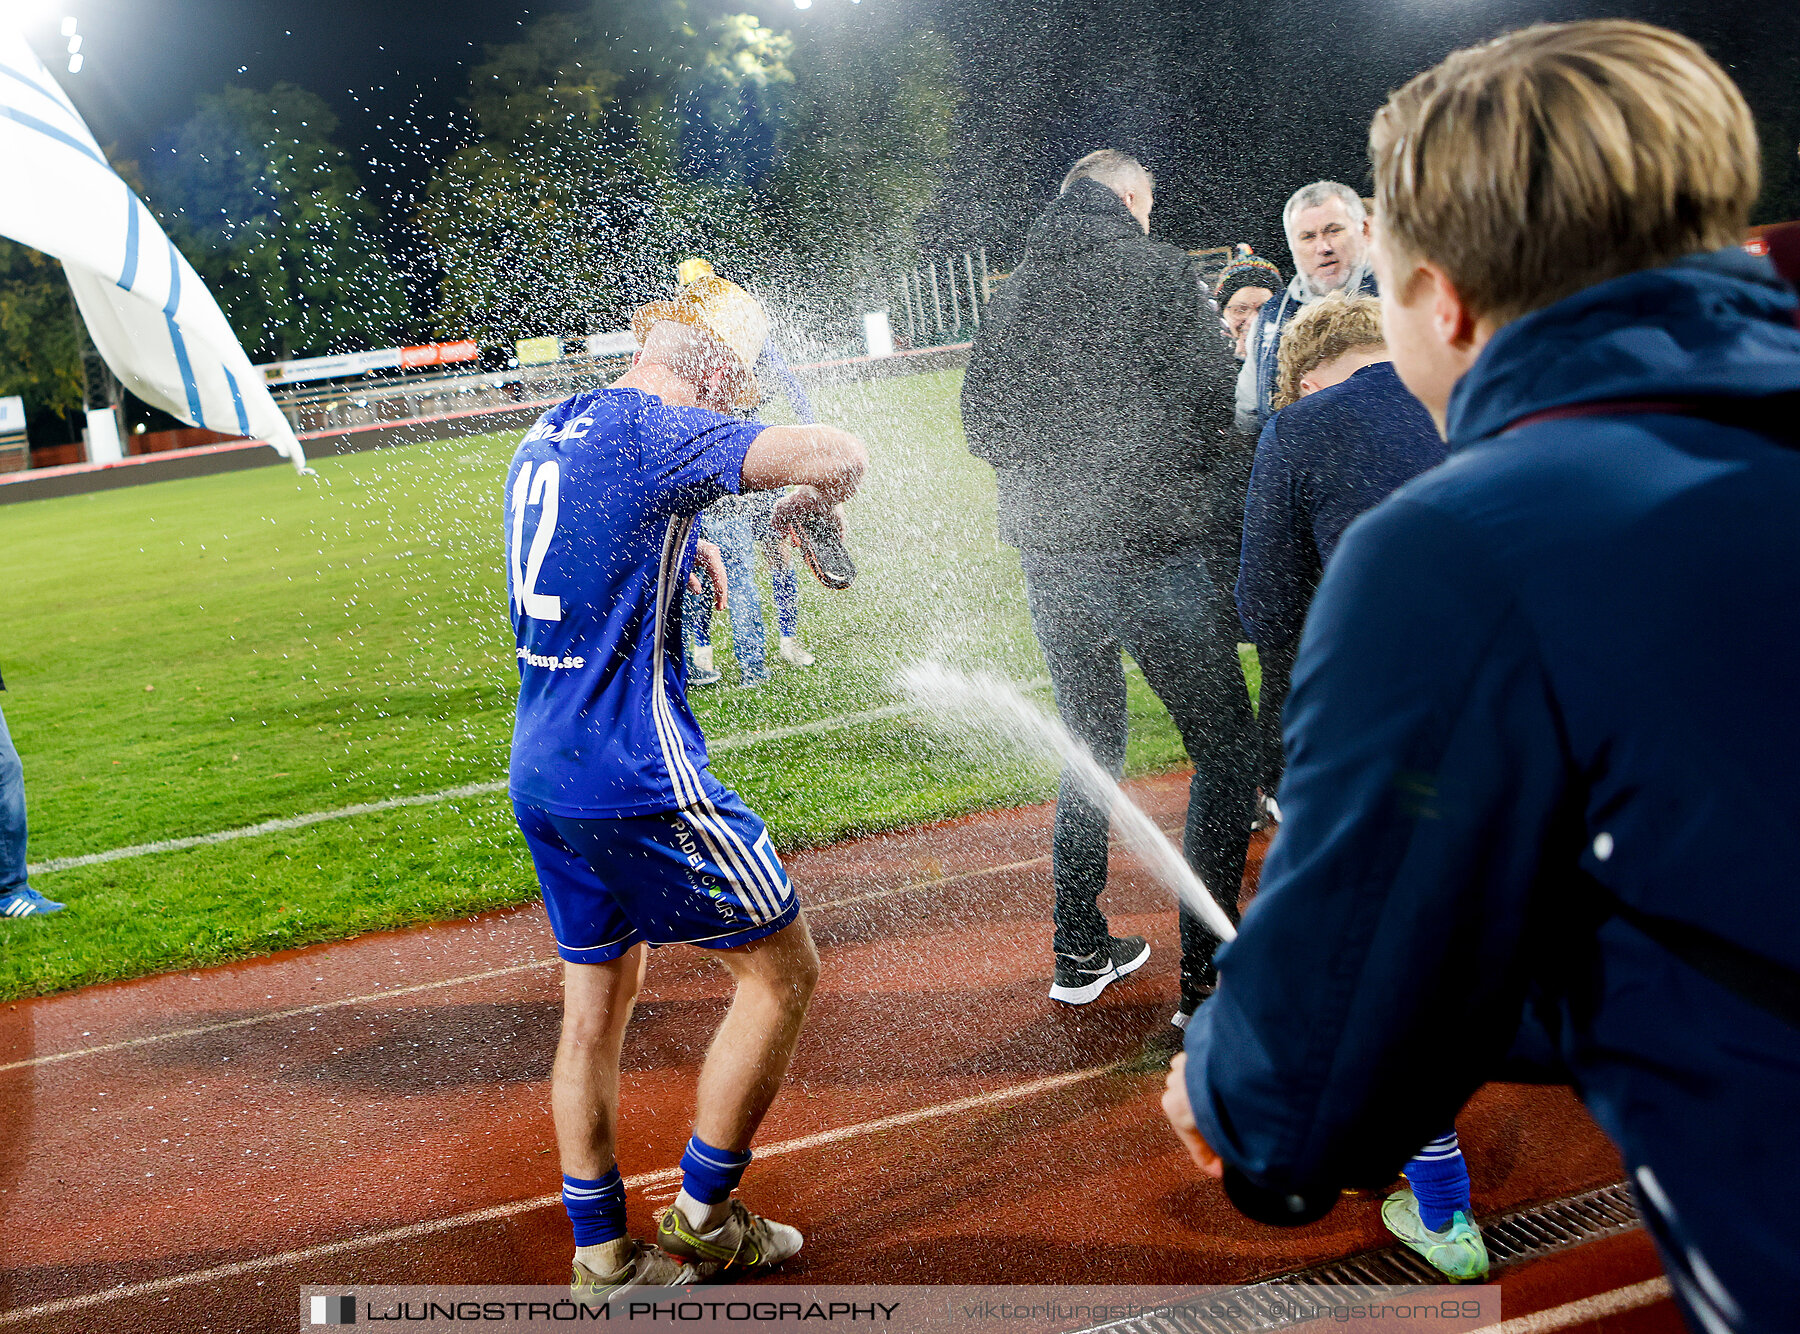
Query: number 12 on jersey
{"type": "Point", "coordinates": [535, 486]}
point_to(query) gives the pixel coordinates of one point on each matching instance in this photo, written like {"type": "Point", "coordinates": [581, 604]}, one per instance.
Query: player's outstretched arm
{"type": "Point", "coordinates": [824, 458]}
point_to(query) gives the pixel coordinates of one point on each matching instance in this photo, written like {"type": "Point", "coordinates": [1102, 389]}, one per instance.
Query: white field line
{"type": "Point", "coordinates": [1571, 1314]}
{"type": "Point", "coordinates": [266, 827]}
{"type": "Point", "coordinates": [375, 997]}
{"type": "Point", "coordinates": [287, 822]}
{"type": "Point", "coordinates": [662, 1176]}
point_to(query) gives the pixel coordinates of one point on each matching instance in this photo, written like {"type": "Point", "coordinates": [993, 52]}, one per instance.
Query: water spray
{"type": "Point", "coordinates": [990, 704]}
{"type": "Point", "coordinates": [987, 703]}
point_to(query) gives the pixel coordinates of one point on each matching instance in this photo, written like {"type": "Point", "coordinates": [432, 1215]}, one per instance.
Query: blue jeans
{"type": "Point", "coordinates": [12, 816]}
{"type": "Point", "coordinates": [1087, 609]}
{"type": "Point", "coordinates": [787, 596]}
{"type": "Point", "coordinates": [786, 583]}
{"type": "Point", "coordinates": [731, 534]}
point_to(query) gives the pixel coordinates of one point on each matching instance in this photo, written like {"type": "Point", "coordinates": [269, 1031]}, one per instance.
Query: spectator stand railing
{"type": "Point", "coordinates": [944, 297]}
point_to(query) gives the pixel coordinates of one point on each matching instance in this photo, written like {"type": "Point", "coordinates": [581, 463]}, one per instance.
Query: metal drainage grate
{"type": "Point", "coordinates": [1524, 1234]}
{"type": "Point", "coordinates": [1275, 1303]}
{"type": "Point", "coordinates": [1530, 1233]}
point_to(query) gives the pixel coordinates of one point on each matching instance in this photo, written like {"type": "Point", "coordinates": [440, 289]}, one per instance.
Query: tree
{"type": "Point", "coordinates": [731, 103]}
{"type": "Point", "coordinates": [40, 359]}
{"type": "Point", "coordinates": [606, 147]}
{"type": "Point", "coordinates": [272, 216]}
{"type": "Point", "coordinates": [868, 143]}
{"type": "Point", "coordinates": [583, 183]}
{"type": "Point", "coordinates": [551, 81]}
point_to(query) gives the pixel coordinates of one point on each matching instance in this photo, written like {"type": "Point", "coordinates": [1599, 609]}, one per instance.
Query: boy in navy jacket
{"type": "Point", "coordinates": [1544, 717]}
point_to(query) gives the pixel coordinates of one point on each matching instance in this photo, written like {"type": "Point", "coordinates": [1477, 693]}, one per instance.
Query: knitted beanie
{"type": "Point", "coordinates": [1251, 271]}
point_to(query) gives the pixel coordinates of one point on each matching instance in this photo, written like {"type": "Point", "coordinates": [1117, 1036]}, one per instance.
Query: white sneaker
{"type": "Point", "coordinates": [743, 1245]}
{"type": "Point", "coordinates": [701, 671]}
{"type": "Point", "coordinates": [643, 1267]}
{"type": "Point", "coordinates": [793, 651]}
{"type": "Point", "coordinates": [1458, 1252]}
{"type": "Point", "coordinates": [1267, 814]}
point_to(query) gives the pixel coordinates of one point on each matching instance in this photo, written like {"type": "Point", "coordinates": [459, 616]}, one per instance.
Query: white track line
{"type": "Point", "coordinates": [915, 886]}
{"type": "Point", "coordinates": [663, 1176]}
{"type": "Point", "coordinates": [1571, 1314]}
{"type": "Point", "coordinates": [374, 997]}
{"type": "Point", "coordinates": [274, 1015]}
{"type": "Point", "coordinates": [723, 744]}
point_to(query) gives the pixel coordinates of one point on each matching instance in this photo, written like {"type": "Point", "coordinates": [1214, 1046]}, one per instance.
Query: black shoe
{"type": "Point", "coordinates": [1268, 814]}
{"type": "Point", "coordinates": [822, 547]}
{"type": "Point", "coordinates": [1079, 979]}
{"type": "Point", "coordinates": [1196, 989]}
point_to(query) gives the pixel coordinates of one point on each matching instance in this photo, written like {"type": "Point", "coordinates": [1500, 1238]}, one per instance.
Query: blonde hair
{"type": "Point", "coordinates": [694, 354]}
{"type": "Point", "coordinates": [1560, 156]}
{"type": "Point", "coordinates": [1324, 331]}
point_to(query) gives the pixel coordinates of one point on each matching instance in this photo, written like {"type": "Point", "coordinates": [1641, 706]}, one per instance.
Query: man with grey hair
{"type": "Point", "coordinates": [1327, 230]}
{"type": "Point", "coordinates": [1121, 173]}
{"type": "Point", "coordinates": [1100, 392]}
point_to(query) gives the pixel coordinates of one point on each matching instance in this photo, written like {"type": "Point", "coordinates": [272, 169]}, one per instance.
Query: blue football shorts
{"type": "Point", "coordinates": [703, 875]}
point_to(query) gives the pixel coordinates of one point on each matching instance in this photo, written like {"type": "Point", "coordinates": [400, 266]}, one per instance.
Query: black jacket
{"type": "Point", "coordinates": [1099, 387]}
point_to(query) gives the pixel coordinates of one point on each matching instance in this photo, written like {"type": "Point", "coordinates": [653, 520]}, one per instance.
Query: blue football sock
{"type": "Point", "coordinates": [1440, 1182]}
{"type": "Point", "coordinates": [709, 1174]}
{"type": "Point", "coordinates": [596, 1208]}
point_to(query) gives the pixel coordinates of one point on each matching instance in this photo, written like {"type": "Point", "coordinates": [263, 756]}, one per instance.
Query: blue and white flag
{"type": "Point", "coordinates": [146, 309]}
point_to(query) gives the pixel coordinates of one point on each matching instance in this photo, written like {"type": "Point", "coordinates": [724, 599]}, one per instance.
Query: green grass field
{"type": "Point", "coordinates": [201, 655]}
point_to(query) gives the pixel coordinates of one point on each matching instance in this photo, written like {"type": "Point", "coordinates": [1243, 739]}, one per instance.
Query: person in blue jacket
{"type": "Point", "coordinates": [1541, 742]}
{"type": "Point", "coordinates": [1347, 433]}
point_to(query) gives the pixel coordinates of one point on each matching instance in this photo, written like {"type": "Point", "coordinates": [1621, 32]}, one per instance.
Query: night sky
{"type": "Point", "coordinates": [1232, 104]}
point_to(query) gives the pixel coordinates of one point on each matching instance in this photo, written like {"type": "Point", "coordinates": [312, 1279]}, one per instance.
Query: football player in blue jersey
{"type": "Point", "coordinates": [635, 842]}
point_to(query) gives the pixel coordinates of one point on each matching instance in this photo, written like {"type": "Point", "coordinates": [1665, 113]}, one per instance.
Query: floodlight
{"type": "Point", "coordinates": [68, 26]}
{"type": "Point", "coordinates": [802, 4]}
{"type": "Point", "coordinates": [75, 63]}
{"type": "Point", "coordinates": [74, 43]}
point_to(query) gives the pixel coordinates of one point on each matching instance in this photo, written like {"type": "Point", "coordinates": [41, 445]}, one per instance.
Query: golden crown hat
{"type": "Point", "coordinates": [722, 310]}
{"type": "Point", "coordinates": [692, 271]}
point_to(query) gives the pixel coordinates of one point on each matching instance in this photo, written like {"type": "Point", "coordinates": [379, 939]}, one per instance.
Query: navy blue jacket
{"type": "Point", "coordinates": [1321, 462]}
{"type": "Point", "coordinates": [1562, 666]}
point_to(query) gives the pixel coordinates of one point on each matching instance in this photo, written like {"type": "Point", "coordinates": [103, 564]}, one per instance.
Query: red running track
{"type": "Point", "coordinates": [376, 1111]}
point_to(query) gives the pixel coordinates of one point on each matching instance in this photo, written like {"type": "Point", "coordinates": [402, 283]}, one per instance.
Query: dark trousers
{"type": "Point", "coordinates": [1277, 674]}
{"type": "Point", "coordinates": [1164, 610]}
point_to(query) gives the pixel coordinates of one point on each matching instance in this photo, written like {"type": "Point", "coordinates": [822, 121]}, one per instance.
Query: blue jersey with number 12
{"type": "Point", "coordinates": [601, 502]}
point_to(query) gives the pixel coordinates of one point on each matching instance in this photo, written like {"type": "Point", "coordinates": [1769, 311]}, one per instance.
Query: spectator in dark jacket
{"type": "Point", "coordinates": [1244, 287]}
{"type": "Point", "coordinates": [1346, 435]}
{"type": "Point", "coordinates": [1100, 391]}
{"type": "Point", "coordinates": [1542, 736]}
